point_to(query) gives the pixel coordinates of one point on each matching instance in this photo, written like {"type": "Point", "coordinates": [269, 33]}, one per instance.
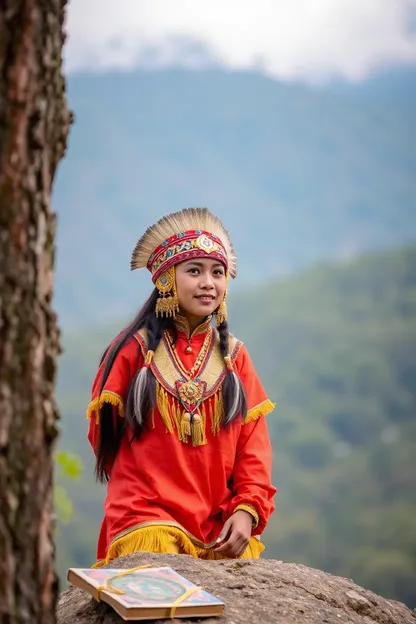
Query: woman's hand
{"type": "Point", "coordinates": [235, 534]}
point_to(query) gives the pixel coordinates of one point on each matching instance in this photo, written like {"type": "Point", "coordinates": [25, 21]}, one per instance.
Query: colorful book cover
{"type": "Point", "coordinates": [146, 587]}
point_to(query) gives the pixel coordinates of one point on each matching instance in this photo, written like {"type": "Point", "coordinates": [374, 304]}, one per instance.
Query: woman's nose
{"type": "Point", "coordinates": [207, 281]}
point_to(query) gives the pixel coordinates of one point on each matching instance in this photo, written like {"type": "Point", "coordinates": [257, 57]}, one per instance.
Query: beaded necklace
{"type": "Point", "coordinates": [189, 388]}
{"type": "Point", "coordinates": [199, 360]}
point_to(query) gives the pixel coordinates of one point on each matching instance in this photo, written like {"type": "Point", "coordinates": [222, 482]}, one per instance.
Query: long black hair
{"type": "Point", "coordinates": [141, 395]}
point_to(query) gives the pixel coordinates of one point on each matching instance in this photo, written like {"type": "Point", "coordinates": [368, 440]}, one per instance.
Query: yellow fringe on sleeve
{"type": "Point", "coordinates": [105, 397]}
{"type": "Point", "coordinates": [262, 409]}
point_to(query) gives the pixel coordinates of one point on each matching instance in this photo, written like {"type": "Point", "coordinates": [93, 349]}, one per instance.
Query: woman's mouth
{"type": "Point", "coordinates": [205, 298]}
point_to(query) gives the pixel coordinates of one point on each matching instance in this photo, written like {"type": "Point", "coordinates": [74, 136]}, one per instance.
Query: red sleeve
{"type": "Point", "coordinates": [128, 361]}
{"type": "Point", "coordinates": [252, 472]}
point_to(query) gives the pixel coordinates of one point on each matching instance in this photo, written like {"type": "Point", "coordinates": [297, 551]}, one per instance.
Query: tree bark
{"type": "Point", "coordinates": [34, 123]}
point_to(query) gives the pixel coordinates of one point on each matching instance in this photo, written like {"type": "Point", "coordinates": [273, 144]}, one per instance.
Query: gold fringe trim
{"type": "Point", "coordinates": [251, 511]}
{"type": "Point", "coordinates": [105, 397]}
{"type": "Point", "coordinates": [168, 539]}
{"type": "Point", "coordinates": [175, 417]}
{"type": "Point", "coordinates": [260, 410]}
{"type": "Point", "coordinates": [218, 413]}
{"type": "Point", "coordinates": [163, 406]}
{"type": "Point", "coordinates": [162, 523]}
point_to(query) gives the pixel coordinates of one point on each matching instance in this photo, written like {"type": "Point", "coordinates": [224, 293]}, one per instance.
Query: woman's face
{"type": "Point", "coordinates": [201, 284]}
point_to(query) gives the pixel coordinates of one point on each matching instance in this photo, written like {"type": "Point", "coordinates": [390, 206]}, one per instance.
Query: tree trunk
{"type": "Point", "coordinates": [34, 122]}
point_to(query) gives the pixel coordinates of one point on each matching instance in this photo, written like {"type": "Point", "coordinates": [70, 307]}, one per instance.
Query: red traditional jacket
{"type": "Point", "coordinates": [170, 477]}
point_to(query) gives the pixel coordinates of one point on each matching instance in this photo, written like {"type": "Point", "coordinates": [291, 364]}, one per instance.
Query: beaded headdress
{"type": "Point", "coordinates": [179, 236]}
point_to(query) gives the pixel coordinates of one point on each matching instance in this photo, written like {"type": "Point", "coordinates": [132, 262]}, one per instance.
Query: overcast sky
{"type": "Point", "coordinates": [302, 39]}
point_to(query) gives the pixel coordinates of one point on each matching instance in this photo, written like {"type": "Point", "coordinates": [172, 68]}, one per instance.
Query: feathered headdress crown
{"type": "Point", "coordinates": [189, 233]}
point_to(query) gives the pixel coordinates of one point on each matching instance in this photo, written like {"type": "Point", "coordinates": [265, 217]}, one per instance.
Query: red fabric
{"type": "Point", "coordinates": [160, 478]}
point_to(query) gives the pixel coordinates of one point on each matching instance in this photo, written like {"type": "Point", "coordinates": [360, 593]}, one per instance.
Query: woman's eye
{"type": "Point", "coordinates": [194, 271]}
{"type": "Point", "coordinates": [218, 272]}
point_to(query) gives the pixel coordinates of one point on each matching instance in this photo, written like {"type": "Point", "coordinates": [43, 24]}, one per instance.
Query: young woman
{"type": "Point", "coordinates": [177, 411]}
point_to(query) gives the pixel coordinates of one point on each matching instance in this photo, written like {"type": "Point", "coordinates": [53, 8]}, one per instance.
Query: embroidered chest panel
{"type": "Point", "coordinates": [173, 380]}
{"type": "Point", "coordinates": [187, 402]}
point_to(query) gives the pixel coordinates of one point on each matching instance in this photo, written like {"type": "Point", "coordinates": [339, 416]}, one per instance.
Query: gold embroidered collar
{"type": "Point", "coordinates": [182, 325]}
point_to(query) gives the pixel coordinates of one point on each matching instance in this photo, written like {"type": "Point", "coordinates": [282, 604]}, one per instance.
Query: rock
{"type": "Point", "coordinates": [261, 591]}
{"type": "Point", "coordinates": [358, 602]}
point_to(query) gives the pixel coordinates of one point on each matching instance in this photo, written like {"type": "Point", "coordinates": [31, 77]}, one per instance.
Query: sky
{"type": "Point", "coordinates": [306, 40]}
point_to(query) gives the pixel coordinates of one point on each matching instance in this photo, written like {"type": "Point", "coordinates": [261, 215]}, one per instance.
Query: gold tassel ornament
{"type": "Point", "coordinates": [185, 427]}
{"type": "Point", "coordinates": [222, 311]}
{"type": "Point", "coordinates": [168, 303]}
{"type": "Point", "coordinates": [198, 432]}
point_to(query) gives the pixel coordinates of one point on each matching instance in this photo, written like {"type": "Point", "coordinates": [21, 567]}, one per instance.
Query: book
{"type": "Point", "coordinates": [146, 593]}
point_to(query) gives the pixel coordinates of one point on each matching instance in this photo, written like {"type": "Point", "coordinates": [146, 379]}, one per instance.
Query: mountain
{"type": "Point", "coordinates": [334, 346]}
{"type": "Point", "coordinates": [298, 174]}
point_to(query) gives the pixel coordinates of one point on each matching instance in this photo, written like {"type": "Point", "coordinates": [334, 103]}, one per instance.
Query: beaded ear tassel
{"type": "Point", "coordinates": [222, 311]}
{"type": "Point", "coordinates": [167, 303]}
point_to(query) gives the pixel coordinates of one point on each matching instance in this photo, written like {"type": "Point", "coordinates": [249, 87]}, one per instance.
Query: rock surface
{"type": "Point", "coordinates": [263, 591]}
